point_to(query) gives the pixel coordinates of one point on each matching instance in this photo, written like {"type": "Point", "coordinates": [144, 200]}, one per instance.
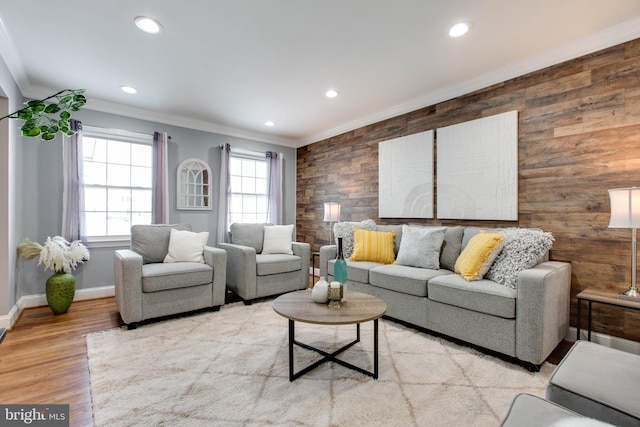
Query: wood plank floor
{"type": "Point", "coordinates": [43, 359]}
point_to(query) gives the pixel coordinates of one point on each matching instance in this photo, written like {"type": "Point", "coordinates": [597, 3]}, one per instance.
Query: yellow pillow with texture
{"type": "Point", "coordinates": [477, 257]}
{"type": "Point", "coordinates": [374, 246]}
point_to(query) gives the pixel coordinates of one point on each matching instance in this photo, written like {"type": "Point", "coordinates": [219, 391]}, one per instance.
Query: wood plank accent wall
{"type": "Point", "coordinates": [579, 135]}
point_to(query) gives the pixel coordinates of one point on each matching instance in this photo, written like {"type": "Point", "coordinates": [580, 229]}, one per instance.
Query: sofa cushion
{"type": "Point", "coordinates": [344, 230]}
{"type": "Point", "coordinates": [251, 235]}
{"type": "Point", "coordinates": [357, 271]}
{"type": "Point", "coordinates": [483, 296]}
{"type": "Point", "coordinates": [451, 247]}
{"type": "Point", "coordinates": [277, 239]}
{"type": "Point", "coordinates": [524, 248]}
{"type": "Point", "coordinates": [476, 258]}
{"type": "Point", "coordinates": [267, 264]}
{"type": "Point", "coordinates": [405, 279]}
{"type": "Point", "coordinates": [151, 241]}
{"type": "Point", "coordinates": [163, 276]}
{"type": "Point", "coordinates": [420, 247]}
{"type": "Point", "coordinates": [186, 246]}
{"type": "Point", "coordinates": [374, 246]}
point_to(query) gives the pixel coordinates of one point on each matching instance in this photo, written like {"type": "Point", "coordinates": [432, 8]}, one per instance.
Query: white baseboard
{"type": "Point", "coordinates": [40, 300]}
{"type": "Point", "coordinates": [606, 340]}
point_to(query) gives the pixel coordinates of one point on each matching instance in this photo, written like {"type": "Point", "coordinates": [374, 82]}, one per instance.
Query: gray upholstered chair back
{"type": "Point", "coordinates": [152, 241]}
{"type": "Point", "coordinates": [251, 235]}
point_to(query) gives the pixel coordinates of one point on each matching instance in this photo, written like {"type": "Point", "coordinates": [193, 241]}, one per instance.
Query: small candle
{"type": "Point", "coordinates": [335, 284]}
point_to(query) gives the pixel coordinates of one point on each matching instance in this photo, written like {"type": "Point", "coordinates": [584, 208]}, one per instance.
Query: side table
{"type": "Point", "coordinates": [602, 296]}
{"type": "Point", "coordinates": [315, 255]}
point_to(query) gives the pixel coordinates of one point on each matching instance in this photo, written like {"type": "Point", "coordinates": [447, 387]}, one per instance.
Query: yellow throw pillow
{"type": "Point", "coordinates": [375, 246]}
{"type": "Point", "coordinates": [477, 257]}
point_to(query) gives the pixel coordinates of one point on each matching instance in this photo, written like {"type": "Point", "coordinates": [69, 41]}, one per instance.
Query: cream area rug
{"type": "Point", "coordinates": [231, 368]}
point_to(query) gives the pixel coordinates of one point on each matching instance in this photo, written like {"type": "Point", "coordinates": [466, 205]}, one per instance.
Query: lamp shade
{"type": "Point", "coordinates": [625, 208]}
{"type": "Point", "coordinates": [332, 211]}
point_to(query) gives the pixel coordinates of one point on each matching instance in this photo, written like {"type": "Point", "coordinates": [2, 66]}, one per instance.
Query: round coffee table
{"type": "Point", "coordinates": [359, 308]}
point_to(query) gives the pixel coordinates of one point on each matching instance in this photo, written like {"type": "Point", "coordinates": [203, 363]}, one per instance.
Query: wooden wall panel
{"type": "Point", "coordinates": [579, 135]}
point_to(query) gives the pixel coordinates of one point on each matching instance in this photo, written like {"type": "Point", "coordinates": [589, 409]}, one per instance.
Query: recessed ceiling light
{"type": "Point", "coordinates": [459, 29]}
{"type": "Point", "coordinates": [128, 89]}
{"type": "Point", "coordinates": [269, 123]}
{"type": "Point", "coordinates": [148, 25]}
{"type": "Point", "coordinates": [331, 93]}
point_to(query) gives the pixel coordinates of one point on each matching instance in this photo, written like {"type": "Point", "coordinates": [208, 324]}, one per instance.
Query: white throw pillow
{"type": "Point", "coordinates": [277, 239]}
{"type": "Point", "coordinates": [186, 246]}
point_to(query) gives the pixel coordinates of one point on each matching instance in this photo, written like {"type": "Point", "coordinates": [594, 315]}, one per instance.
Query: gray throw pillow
{"type": "Point", "coordinates": [344, 229]}
{"type": "Point", "coordinates": [420, 246]}
{"type": "Point", "coordinates": [152, 241]}
{"type": "Point", "coordinates": [451, 247]}
{"type": "Point", "coordinates": [251, 235]}
{"type": "Point", "coordinates": [523, 248]}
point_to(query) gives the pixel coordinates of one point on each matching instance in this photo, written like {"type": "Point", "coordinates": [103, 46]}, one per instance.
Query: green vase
{"type": "Point", "coordinates": [60, 290]}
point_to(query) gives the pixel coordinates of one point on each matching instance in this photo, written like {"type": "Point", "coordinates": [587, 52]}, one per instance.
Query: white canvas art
{"type": "Point", "coordinates": [405, 177]}
{"type": "Point", "coordinates": [478, 169]}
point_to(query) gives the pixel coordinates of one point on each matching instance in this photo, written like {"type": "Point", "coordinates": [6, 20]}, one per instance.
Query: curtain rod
{"type": "Point", "coordinates": [244, 151]}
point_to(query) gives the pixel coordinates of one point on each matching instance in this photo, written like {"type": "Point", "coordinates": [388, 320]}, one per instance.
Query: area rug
{"type": "Point", "coordinates": [230, 368]}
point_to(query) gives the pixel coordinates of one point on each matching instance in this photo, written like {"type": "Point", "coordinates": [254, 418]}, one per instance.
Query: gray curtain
{"type": "Point", "coordinates": [160, 198]}
{"type": "Point", "coordinates": [225, 191]}
{"type": "Point", "coordinates": [274, 161]}
{"type": "Point", "coordinates": [73, 217]}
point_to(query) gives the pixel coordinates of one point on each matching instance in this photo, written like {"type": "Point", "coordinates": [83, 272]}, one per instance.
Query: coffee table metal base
{"type": "Point", "coordinates": [331, 357]}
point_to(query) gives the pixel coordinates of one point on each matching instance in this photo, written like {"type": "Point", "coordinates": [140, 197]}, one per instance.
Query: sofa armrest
{"type": "Point", "coordinates": [217, 259]}
{"type": "Point", "coordinates": [327, 252]}
{"type": "Point", "coordinates": [303, 250]}
{"type": "Point", "coordinates": [241, 269]}
{"type": "Point", "coordinates": [128, 284]}
{"type": "Point", "coordinates": [542, 310]}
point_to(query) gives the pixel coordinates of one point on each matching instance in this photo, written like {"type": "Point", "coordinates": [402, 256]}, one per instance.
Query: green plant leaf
{"type": "Point", "coordinates": [48, 136]}
{"type": "Point", "coordinates": [36, 106]}
{"type": "Point", "coordinates": [24, 114]}
{"type": "Point", "coordinates": [65, 115]}
{"type": "Point", "coordinates": [65, 99]}
{"type": "Point", "coordinates": [52, 109]}
{"type": "Point", "coordinates": [31, 133]}
{"type": "Point", "coordinates": [28, 125]}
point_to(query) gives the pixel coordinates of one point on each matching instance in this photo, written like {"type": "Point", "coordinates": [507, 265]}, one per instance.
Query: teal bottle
{"type": "Point", "coordinates": [340, 267]}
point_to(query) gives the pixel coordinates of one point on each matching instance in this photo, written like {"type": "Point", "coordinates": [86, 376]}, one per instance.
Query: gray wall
{"type": "Point", "coordinates": [41, 184]}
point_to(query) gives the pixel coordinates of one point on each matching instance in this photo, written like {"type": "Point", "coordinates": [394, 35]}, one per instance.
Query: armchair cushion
{"type": "Point", "coordinates": [186, 246]}
{"type": "Point", "coordinates": [160, 277]}
{"type": "Point", "coordinates": [152, 241]}
{"type": "Point", "coordinates": [251, 235]}
{"type": "Point", "coordinates": [277, 239]}
{"type": "Point", "coordinates": [276, 264]}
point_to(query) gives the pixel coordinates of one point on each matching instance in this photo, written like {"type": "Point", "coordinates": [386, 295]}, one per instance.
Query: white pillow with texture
{"type": "Point", "coordinates": [277, 239]}
{"type": "Point", "coordinates": [186, 246]}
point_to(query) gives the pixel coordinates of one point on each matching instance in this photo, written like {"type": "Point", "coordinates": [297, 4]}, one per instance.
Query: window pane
{"type": "Point", "coordinates": [248, 185]}
{"type": "Point", "coordinates": [95, 173]}
{"type": "Point", "coordinates": [141, 155]}
{"type": "Point", "coordinates": [248, 167]}
{"type": "Point", "coordinates": [235, 166]}
{"type": "Point", "coordinates": [118, 175]}
{"type": "Point", "coordinates": [249, 204]}
{"type": "Point", "coordinates": [119, 152]}
{"type": "Point", "coordinates": [119, 224]}
{"type": "Point", "coordinates": [96, 223]}
{"type": "Point", "coordinates": [119, 200]}
{"type": "Point", "coordinates": [141, 200]}
{"type": "Point", "coordinates": [236, 184]}
{"type": "Point", "coordinates": [141, 177]}
{"type": "Point", "coordinates": [140, 218]}
{"type": "Point", "coordinates": [94, 149]}
{"type": "Point", "coordinates": [95, 199]}
{"type": "Point", "coordinates": [261, 169]}
{"type": "Point", "coordinates": [261, 186]}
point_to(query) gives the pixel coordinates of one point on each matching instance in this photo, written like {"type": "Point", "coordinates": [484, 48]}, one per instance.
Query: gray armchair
{"type": "Point", "coordinates": [251, 274]}
{"type": "Point", "coordinates": [147, 288]}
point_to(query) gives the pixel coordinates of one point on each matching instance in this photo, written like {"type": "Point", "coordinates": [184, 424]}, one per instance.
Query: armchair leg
{"type": "Point", "coordinates": [132, 325]}
{"type": "Point", "coordinates": [247, 302]}
{"type": "Point", "coordinates": [215, 308]}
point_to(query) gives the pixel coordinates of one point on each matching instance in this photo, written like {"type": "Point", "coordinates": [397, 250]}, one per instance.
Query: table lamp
{"type": "Point", "coordinates": [625, 213]}
{"type": "Point", "coordinates": [331, 214]}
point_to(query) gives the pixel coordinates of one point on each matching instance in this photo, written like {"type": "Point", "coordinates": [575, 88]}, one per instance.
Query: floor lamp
{"type": "Point", "coordinates": [331, 214]}
{"type": "Point", "coordinates": [625, 213]}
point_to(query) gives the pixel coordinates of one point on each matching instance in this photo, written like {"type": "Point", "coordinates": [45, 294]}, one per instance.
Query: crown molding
{"type": "Point", "coordinates": [612, 36]}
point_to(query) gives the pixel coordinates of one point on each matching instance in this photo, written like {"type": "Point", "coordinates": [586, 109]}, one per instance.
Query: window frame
{"type": "Point", "coordinates": [118, 135]}
{"type": "Point", "coordinates": [258, 157]}
{"type": "Point", "coordinates": [187, 195]}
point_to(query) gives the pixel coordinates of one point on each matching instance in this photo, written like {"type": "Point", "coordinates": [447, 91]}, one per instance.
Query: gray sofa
{"type": "Point", "coordinates": [253, 274]}
{"type": "Point", "coordinates": [525, 323]}
{"type": "Point", "coordinates": [147, 288]}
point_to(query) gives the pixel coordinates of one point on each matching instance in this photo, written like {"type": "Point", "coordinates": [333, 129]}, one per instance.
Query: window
{"type": "Point", "coordinates": [117, 181]}
{"type": "Point", "coordinates": [248, 202]}
{"type": "Point", "coordinates": [194, 185]}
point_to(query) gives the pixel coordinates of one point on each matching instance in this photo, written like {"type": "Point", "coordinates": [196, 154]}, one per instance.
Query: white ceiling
{"type": "Point", "coordinates": [228, 66]}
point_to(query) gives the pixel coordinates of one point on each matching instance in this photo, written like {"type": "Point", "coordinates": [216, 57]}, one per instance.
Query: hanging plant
{"type": "Point", "coordinates": [46, 119]}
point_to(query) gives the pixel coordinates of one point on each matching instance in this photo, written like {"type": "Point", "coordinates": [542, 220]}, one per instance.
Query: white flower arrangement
{"type": "Point", "coordinates": [56, 254]}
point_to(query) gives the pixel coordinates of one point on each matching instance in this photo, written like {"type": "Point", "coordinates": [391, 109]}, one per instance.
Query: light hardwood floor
{"type": "Point", "coordinates": [43, 359]}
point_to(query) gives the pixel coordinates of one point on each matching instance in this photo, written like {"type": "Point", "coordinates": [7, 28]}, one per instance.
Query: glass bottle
{"type": "Point", "coordinates": [340, 270]}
